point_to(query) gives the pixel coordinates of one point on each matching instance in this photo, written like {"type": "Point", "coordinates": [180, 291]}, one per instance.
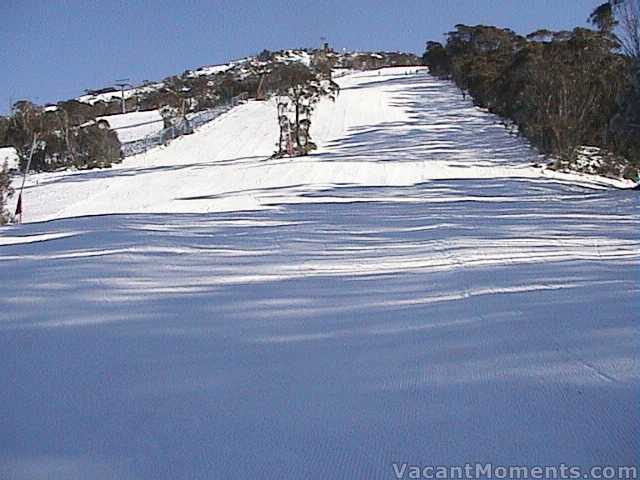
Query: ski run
{"type": "Point", "coordinates": [418, 290]}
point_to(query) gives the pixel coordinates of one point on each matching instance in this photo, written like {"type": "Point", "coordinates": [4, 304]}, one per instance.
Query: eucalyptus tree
{"type": "Point", "coordinates": [298, 90]}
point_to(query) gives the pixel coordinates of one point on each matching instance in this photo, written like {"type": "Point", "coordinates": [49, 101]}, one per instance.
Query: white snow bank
{"type": "Point", "coordinates": [134, 125]}
{"type": "Point", "coordinates": [500, 313]}
{"type": "Point", "coordinates": [211, 69]}
{"type": "Point", "coordinates": [10, 156]}
{"type": "Point", "coordinates": [117, 94]}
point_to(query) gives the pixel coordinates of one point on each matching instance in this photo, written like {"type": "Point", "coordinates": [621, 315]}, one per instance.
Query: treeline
{"type": "Point", "coordinates": [375, 60]}
{"type": "Point", "coordinates": [353, 60]}
{"type": "Point", "coordinates": [68, 136]}
{"type": "Point", "coordinates": [564, 90]}
{"type": "Point", "coordinates": [60, 140]}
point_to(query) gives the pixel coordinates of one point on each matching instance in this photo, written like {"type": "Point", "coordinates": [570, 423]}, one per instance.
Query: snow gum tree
{"type": "Point", "coordinates": [298, 89]}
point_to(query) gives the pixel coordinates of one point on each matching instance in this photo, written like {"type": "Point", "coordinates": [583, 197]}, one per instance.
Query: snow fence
{"type": "Point", "coordinates": [183, 126]}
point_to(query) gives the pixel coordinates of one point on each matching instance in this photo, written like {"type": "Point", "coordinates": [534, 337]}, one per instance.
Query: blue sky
{"type": "Point", "coordinates": [53, 50]}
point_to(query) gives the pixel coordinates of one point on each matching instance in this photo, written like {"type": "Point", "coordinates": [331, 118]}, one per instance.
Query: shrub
{"type": "Point", "coordinates": [97, 148]}
{"type": "Point", "coordinates": [5, 192]}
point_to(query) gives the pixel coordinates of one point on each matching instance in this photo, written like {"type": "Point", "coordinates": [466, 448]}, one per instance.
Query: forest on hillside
{"type": "Point", "coordinates": [566, 91]}
{"type": "Point", "coordinates": [68, 135]}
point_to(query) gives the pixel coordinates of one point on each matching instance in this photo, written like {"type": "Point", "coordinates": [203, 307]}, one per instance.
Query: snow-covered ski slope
{"type": "Point", "coordinates": [416, 291]}
{"type": "Point", "coordinates": [385, 129]}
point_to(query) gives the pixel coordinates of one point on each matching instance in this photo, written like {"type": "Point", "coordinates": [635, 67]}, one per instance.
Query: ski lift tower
{"type": "Point", "coordinates": [121, 83]}
{"type": "Point", "coordinates": [260, 95]}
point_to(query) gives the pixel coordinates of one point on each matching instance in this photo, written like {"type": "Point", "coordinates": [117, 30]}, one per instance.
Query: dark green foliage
{"type": "Point", "coordinates": [96, 148]}
{"type": "Point", "coordinates": [4, 128]}
{"type": "Point", "coordinates": [322, 63]}
{"type": "Point", "coordinates": [285, 76]}
{"type": "Point", "coordinates": [265, 56]}
{"type": "Point", "coordinates": [562, 89]}
{"type": "Point", "coordinates": [375, 60]}
{"type": "Point", "coordinates": [61, 141]}
{"type": "Point", "coordinates": [5, 193]}
{"type": "Point", "coordinates": [604, 18]}
{"type": "Point", "coordinates": [26, 119]}
{"type": "Point", "coordinates": [437, 58]}
{"type": "Point", "coordinates": [299, 89]}
{"type": "Point", "coordinates": [77, 112]}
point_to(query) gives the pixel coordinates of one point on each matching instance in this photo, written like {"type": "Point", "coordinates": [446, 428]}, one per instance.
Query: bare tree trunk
{"type": "Point", "coordinates": [629, 13]}
{"type": "Point", "coordinates": [67, 139]}
{"type": "Point", "coordinates": [298, 124]}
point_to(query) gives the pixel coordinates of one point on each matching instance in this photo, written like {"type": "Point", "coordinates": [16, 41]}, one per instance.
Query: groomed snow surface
{"type": "Point", "coordinates": [415, 291]}
{"type": "Point", "coordinates": [133, 126]}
